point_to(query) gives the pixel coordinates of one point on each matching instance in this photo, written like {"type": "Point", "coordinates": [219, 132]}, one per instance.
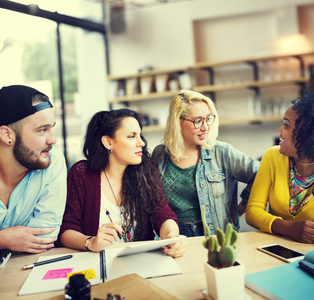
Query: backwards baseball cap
{"type": "Point", "coordinates": [16, 103]}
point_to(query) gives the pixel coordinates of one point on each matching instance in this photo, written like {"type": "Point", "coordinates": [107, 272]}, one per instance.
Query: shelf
{"type": "Point", "coordinates": [141, 97]}
{"type": "Point", "coordinates": [205, 65]}
{"type": "Point", "coordinates": [150, 73]}
{"type": "Point", "coordinates": [255, 85]}
{"type": "Point", "coordinates": [219, 88]}
{"type": "Point", "coordinates": [210, 88]}
{"type": "Point", "coordinates": [261, 83]}
{"type": "Point", "coordinates": [251, 84]}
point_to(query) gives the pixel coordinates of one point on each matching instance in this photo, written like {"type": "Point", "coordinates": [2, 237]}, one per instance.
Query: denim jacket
{"type": "Point", "coordinates": [217, 174]}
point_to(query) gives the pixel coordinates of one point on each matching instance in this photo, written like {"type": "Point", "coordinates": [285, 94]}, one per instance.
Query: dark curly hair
{"type": "Point", "coordinates": [303, 134]}
{"type": "Point", "coordinates": [141, 188]}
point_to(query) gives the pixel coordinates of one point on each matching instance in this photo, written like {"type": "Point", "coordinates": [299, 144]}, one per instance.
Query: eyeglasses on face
{"type": "Point", "coordinates": [199, 121]}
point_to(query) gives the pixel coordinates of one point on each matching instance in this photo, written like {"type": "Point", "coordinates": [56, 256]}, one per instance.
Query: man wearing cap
{"type": "Point", "coordinates": [32, 172]}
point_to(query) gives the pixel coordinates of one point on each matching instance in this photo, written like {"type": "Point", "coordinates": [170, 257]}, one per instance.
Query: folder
{"type": "Point", "coordinates": [288, 282]}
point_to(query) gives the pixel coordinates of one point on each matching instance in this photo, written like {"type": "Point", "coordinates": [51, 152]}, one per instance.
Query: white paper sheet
{"type": "Point", "coordinates": [145, 264]}
{"type": "Point", "coordinates": [54, 272]}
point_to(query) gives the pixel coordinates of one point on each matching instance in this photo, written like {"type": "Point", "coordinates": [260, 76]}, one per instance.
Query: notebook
{"type": "Point", "coordinates": [102, 267]}
{"type": "Point", "coordinates": [288, 282]}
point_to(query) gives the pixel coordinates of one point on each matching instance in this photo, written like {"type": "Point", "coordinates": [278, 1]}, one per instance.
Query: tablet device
{"type": "Point", "coordinates": [137, 247]}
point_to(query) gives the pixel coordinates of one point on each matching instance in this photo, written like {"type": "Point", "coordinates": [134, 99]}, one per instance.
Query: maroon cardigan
{"type": "Point", "coordinates": [83, 204]}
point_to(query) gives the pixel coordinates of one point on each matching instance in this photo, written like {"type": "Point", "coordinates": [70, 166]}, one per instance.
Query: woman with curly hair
{"type": "Point", "coordinates": [117, 176]}
{"type": "Point", "coordinates": [285, 179]}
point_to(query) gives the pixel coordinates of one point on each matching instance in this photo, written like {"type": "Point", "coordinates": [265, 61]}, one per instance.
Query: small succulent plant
{"type": "Point", "coordinates": [221, 250]}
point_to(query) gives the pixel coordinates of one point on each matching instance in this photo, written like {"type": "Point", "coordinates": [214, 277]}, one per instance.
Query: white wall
{"type": "Point", "coordinates": [161, 36]}
{"type": "Point", "coordinates": [180, 34]}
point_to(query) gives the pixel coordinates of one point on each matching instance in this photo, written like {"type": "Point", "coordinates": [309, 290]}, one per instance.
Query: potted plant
{"type": "Point", "coordinates": [224, 274]}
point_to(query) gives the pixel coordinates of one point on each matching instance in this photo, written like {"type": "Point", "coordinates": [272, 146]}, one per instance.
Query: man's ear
{"type": "Point", "coordinates": [106, 141]}
{"type": "Point", "coordinates": [6, 134]}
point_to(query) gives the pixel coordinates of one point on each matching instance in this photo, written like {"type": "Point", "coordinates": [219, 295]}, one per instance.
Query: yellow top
{"type": "Point", "coordinates": [271, 186]}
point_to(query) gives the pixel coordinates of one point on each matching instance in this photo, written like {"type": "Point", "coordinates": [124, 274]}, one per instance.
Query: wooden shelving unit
{"type": "Point", "coordinates": [248, 85]}
{"type": "Point", "coordinates": [204, 65]}
{"type": "Point", "coordinates": [256, 84]}
{"type": "Point", "coordinates": [150, 73]}
{"type": "Point", "coordinates": [143, 97]}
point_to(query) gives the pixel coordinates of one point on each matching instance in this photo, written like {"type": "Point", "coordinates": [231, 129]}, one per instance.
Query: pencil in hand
{"type": "Point", "coordinates": [119, 234]}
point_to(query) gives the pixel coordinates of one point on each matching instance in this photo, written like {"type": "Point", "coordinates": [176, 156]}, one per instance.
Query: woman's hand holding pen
{"type": "Point", "coordinates": [107, 234]}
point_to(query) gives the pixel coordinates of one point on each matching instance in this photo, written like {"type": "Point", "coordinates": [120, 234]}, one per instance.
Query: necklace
{"type": "Point", "coordinates": [310, 164]}
{"type": "Point", "coordinates": [113, 193]}
{"type": "Point", "coordinates": [124, 225]}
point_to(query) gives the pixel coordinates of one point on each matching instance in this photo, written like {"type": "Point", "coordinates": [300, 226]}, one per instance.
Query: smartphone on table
{"type": "Point", "coordinates": [281, 252]}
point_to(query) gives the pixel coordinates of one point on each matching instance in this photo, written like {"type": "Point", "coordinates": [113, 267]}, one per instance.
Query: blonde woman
{"type": "Point", "coordinates": [197, 170]}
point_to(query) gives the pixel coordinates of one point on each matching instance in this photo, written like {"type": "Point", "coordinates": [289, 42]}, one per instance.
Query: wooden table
{"type": "Point", "coordinates": [188, 285]}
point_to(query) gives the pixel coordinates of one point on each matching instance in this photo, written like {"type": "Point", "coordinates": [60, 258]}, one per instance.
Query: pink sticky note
{"type": "Point", "coordinates": [58, 273]}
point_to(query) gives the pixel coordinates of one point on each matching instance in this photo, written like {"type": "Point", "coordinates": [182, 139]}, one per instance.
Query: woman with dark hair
{"type": "Point", "coordinates": [117, 177]}
{"type": "Point", "coordinates": [285, 179]}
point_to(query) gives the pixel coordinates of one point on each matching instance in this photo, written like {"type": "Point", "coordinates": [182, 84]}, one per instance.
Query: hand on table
{"type": "Point", "coordinates": [303, 231]}
{"type": "Point", "coordinates": [25, 239]}
{"type": "Point", "coordinates": [300, 231]}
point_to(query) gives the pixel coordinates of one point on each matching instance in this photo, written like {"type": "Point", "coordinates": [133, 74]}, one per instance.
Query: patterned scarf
{"type": "Point", "coordinates": [301, 188]}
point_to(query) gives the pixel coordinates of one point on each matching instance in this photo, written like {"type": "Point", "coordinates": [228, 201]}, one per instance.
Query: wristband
{"type": "Point", "coordinates": [87, 242]}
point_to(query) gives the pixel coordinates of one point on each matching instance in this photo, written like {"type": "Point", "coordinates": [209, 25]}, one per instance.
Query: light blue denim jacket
{"type": "Point", "coordinates": [217, 174]}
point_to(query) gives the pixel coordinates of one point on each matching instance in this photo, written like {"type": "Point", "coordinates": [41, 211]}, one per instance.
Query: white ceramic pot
{"type": "Point", "coordinates": [225, 283]}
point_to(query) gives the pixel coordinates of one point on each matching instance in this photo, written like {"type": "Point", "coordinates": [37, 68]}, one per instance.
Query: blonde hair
{"type": "Point", "coordinates": [180, 107]}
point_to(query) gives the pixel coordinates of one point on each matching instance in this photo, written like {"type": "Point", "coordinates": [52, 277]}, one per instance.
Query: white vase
{"type": "Point", "coordinates": [225, 283]}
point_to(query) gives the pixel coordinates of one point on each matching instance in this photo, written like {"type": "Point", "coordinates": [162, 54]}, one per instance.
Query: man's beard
{"type": "Point", "coordinates": [25, 156]}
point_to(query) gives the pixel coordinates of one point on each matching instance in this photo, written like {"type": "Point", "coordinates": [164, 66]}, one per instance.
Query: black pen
{"type": "Point", "coordinates": [119, 234]}
{"type": "Point", "coordinates": [49, 261]}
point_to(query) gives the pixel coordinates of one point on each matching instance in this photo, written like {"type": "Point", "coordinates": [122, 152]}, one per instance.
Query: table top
{"type": "Point", "coordinates": [188, 285]}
